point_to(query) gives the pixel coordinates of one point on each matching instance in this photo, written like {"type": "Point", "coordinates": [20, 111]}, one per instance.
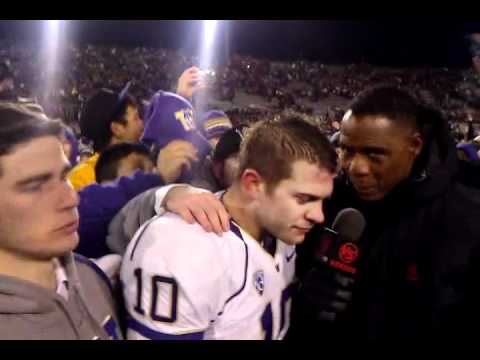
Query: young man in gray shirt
{"type": "Point", "coordinates": [46, 292]}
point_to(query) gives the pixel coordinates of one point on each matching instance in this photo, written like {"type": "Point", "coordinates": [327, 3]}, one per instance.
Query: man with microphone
{"type": "Point", "coordinates": [408, 265]}
{"type": "Point", "coordinates": [400, 259]}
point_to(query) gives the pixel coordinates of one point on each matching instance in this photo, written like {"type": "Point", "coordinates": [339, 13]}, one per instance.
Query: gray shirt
{"type": "Point", "coordinates": [28, 311]}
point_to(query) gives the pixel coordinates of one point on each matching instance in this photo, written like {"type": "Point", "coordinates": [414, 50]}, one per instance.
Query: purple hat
{"type": "Point", "coordinates": [215, 123]}
{"type": "Point", "coordinates": [169, 117]}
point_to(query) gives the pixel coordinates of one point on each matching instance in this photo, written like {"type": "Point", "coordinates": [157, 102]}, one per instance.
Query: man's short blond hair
{"type": "Point", "coordinates": [271, 147]}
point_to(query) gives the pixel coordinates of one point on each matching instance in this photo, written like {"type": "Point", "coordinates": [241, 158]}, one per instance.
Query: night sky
{"type": "Point", "coordinates": [409, 42]}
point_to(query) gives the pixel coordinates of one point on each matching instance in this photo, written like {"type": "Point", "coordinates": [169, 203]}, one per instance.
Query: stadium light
{"type": "Point", "coordinates": [51, 44]}
{"type": "Point", "coordinates": [206, 55]}
{"type": "Point", "coordinates": [52, 52]}
{"type": "Point", "coordinates": [207, 44]}
{"type": "Point", "coordinates": [53, 26]}
{"type": "Point", "coordinates": [209, 32]}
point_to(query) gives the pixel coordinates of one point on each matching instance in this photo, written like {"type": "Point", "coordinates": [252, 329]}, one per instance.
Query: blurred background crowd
{"type": "Point", "coordinates": [244, 87]}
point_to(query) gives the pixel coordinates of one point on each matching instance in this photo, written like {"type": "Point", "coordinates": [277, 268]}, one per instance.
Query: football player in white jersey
{"type": "Point", "coordinates": [180, 282]}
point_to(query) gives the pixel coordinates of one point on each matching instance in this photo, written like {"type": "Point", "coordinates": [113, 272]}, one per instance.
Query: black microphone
{"type": "Point", "coordinates": [338, 247]}
{"type": "Point", "coordinates": [327, 287]}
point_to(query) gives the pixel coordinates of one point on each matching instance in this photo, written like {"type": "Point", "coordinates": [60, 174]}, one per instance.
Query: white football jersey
{"type": "Point", "coordinates": [180, 282]}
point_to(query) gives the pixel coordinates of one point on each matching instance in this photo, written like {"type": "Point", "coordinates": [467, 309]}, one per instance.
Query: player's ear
{"type": "Point", "coordinates": [252, 182]}
{"type": "Point", "coordinates": [416, 144]}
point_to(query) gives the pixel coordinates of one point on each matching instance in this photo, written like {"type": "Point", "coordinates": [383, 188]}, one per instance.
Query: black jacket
{"type": "Point", "coordinates": [419, 268]}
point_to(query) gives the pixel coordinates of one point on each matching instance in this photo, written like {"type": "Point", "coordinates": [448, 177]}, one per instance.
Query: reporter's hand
{"type": "Point", "coordinates": [173, 157]}
{"type": "Point", "coordinates": [190, 82]}
{"type": "Point", "coordinates": [326, 292]}
{"type": "Point", "coordinates": [198, 205]}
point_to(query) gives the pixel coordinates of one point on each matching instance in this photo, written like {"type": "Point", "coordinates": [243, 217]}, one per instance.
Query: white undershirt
{"type": "Point", "coordinates": [62, 280]}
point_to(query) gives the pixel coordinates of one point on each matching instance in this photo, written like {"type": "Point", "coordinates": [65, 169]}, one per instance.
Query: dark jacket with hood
{"type": "Point", "coordinates": [419, 266]}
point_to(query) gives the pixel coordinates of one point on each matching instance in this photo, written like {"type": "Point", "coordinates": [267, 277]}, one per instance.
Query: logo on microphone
{"type": "Point", "coordinates": [348, 252]}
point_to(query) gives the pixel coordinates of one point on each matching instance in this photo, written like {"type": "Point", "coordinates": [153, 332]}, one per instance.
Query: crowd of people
{"type": "Point", "coordinates": [268, 221]}
{"type": "Point", "coordinates": [298, 86]}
